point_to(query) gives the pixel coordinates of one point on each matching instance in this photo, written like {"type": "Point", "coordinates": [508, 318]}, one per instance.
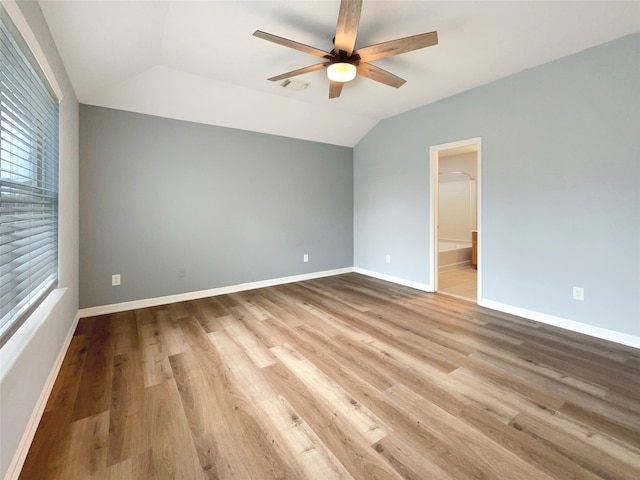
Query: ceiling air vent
{"type": "Point", "coordinates": [294, 84]}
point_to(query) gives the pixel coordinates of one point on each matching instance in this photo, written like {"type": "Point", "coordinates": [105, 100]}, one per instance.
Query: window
{"type": "Point", "coordinates": [28, 181]}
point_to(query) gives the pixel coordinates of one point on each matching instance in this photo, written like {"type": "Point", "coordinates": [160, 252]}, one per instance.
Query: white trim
{"type": "Point", "coordinates": [400, 281]}
{"type": "Point", "coordinates": [479, 229]}
{"type": "Point", "coordinates": [12, 349]}
{"type": "Point", "coordinates": [11, 6]}
{"type": "Point", "coordinates": [181, 297]}
{"type": "Point", "coordinates": [433, 217]}
{"type": "Point", "coordinates": [572, 325]}
{"type": "Point", "coordinates": [17, 462]}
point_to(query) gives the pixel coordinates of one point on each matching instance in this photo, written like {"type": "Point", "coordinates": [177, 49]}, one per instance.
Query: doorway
{"type": "Point", "coordinates": [455, 219]}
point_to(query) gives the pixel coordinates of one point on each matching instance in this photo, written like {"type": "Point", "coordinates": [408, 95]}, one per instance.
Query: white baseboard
{"type": "Point", "coordinates": [181, 297]}
{"type": "Point", "coordinates": [13, 472]}
{"type": "Point", "coordinates": [572, 325]}
{"type": "Point", "coordinates": [400, 281]}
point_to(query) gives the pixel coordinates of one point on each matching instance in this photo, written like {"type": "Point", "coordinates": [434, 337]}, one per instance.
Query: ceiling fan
{"type": "Point", "coordinates": [344, 62]}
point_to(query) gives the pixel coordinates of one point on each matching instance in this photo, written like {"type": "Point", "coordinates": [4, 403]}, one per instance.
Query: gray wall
{"type": "Point", "coordinates": [228, 206]}
{"type": "Point", "coordinates": [21, 386]}
{"type": "Point", "coordinates": [560, 186]}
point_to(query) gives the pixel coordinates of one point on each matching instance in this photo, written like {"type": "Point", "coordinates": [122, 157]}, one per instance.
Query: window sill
{"type": "Point", "coordinates": [10, 351]}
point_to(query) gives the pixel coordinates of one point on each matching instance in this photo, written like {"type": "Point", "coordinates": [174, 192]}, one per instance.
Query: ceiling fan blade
{"type": "Point", "coordinates": [300, 71]}
{"type": "Point", "coordinates": [291, 44]}
{"type": "Point", "coordinates": [380, 75]}
{"type": "Point", "coordinates": [347, 29]}
{"type": "Point", "coordinates": [395, 47]}
{"type": "Point", "coordinates": [335, 88]}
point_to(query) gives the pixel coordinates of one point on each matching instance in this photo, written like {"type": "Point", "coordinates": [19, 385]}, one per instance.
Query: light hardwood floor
{"type": "Point", "coordinates": [341, 377]}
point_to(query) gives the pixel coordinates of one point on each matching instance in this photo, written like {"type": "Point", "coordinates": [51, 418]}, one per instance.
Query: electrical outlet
{"type": "Point", "coordinates": [182, 272]}
{"type": "Point", "coordinates": [387, 258]}
{"type": "Point", "coordinates": [115, 280]}
{"type": "Point", "coordinates": [578, 293]}
{"type": "Point", "coordinates": [305, 257]}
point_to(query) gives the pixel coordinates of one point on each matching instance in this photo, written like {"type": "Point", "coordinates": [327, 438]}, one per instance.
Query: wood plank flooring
{"type": "Point", "coordinates": [335, 378]}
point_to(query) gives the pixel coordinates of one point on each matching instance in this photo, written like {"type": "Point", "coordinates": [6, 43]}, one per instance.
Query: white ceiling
{"type": "Point", "coordinates": [198, 60]}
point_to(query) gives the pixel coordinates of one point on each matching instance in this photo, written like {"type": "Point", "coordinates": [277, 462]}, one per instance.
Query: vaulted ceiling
{"type": "Point", "coordinates": [198, 61]}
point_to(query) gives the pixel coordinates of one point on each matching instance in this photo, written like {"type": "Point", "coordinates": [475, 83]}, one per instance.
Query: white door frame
{"type": "Point", "coordinates": [433, 220]}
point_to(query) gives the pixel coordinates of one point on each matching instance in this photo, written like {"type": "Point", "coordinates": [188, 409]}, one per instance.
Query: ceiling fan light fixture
{"type": "Point", "coordinates": [341, 72]}
{"type": "Point", "coordinates": [344, 62]}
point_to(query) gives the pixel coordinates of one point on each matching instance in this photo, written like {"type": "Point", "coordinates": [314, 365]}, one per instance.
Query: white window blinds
{"type": "Point", "coordinates": [28, 181]}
